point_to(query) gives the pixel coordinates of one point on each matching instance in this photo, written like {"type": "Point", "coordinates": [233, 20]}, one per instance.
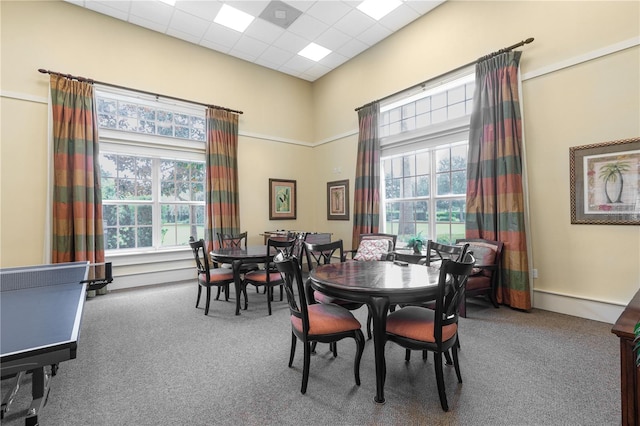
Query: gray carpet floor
{"type": "Point", "coordinates": [149, 357]}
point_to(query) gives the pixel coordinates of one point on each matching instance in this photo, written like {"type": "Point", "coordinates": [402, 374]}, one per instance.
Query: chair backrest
{"type": "Point", "coordinates": [199, 253]}
{"type": "Point", "coordinates": [322, 254]}
{"type": "Point", "coordinates": [228, 240]}
{"type": "Point", "coordinates": [391, 237]}
{"type": "Point", "coordinates": [486, 252]}
{"type": "Point", "coordinates": [290, 269]}
{"type": "Point", "coordinates": [279, 246]}
{"type": "Point", "coordinates": [437, 252]}
{"type": "Point", "coordinates": [451, 286]}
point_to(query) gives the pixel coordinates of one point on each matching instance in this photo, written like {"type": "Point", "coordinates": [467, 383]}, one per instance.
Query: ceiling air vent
{"type": "Point", "coordinates": [280, 14]}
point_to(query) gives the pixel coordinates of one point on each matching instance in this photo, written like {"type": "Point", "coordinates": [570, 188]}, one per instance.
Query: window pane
{"type": "Point", "coordinates": [443, 183]}
{"type": "Point", "coordinates": [443, 162]}
{"type": "Point", "coordinates": [423, 186]}
{"type": "Point", "coordinates": [443, 208]}
{"type": "Point", "coordinates": [126, 215]}
{"type": "Point", "coordinates": [422, 163]}
{"type": "Point", "coordinates": [459, 182]}
{"type": "Point", "coordinates": [109, 215]}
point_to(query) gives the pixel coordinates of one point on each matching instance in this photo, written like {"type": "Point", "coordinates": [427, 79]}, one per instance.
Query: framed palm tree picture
{"type": "Point", "coordinates": [605, 183]}
{"type": "Point", "coordinates": [338, 200]}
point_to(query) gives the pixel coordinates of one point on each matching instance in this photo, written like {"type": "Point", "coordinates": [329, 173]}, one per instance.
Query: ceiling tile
{"type": "Point", "coordinates": [206, 10]}
{"type": "Point", "coordinates": [264, 31]}
{"type": "Point", "coordinates": [154, 11]}
{"type": "Point", "coordinates": [354, 23]}
{"type": "Point", "coordinates": [188, 24]}
{"type": "Point", "coordinates": [399, 17]}
{"type": "Point", "coordinates": [291, 42]}
{"type": "Point", "coordinates": [251, 46]}
{"type": "Point", "coordinates": [329, 11]}
{"type": "Point", "coordinates": [222, 35]}
{"type": "Point", "coordinates": [374, 34]}
{"type": "Point", "coordinates": [106, 9]}
{"type": "Point", "coordinates": [332, 39]}
{"type": "Point", "coordinates": [152, 25]}
{"type": "Point", "coordinates": [308, 27]}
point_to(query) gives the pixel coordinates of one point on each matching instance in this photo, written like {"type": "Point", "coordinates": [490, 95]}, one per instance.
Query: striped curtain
{"type": "Point", "coordinates": [366, 199]}
{"type": "Point", "coordinates": [77, 199]}
{"type": "Point", "coordinates": [495, 200]}
{"type": "Point", "coordinates": [223, 206]}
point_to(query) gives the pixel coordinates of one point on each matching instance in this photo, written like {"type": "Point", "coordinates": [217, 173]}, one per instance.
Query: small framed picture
{"type": "Point", "coordinates": [605, 183]}
{"type": "Point", "coordinates": [282, 199]}
{"type": "Point", "coordinates": [338, 200]}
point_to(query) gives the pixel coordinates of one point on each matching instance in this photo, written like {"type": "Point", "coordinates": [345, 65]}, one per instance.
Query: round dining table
{"type": "Point", "coordinates": [378, 284]}
{"type": "Point", "coordinates": [236, 256]}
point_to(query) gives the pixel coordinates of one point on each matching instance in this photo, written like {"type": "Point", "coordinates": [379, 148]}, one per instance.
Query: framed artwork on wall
{"type": "Point", "coordinates": [338, 200]}
{"type": "Point", "coordinates": [605, 183]}
{"type": "Point", "coordinates": [282, 199]}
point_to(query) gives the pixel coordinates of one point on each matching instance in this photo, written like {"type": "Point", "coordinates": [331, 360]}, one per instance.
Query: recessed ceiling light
{"type": "Point", "coordinates": [314, 52]}
{"type": "Point", "coordinates": [378, 8]}
{"type": "Point", "coordinates": [233, 18]}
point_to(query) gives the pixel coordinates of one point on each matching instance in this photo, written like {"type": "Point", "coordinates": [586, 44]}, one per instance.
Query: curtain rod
{"type": "Point", "coordinates": [490, 55]}
{"type": "Point", "coordinates": [91, 81]}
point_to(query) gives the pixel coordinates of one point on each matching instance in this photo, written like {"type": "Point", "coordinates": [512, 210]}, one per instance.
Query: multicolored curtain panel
{"type": "Point", "coordinates": [366, 199]}
{"type": "Point", "coordinates": [223, 207]}
{"type": "Point", "coordinates": [77, 199]}
{"type": "Point", "coordinates": [495, 200]}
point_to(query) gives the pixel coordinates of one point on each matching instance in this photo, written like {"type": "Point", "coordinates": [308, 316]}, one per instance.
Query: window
{"type": "Point", "coordinates": [424, 161]}
{"type": "Point", "coordinates": [152, 172]}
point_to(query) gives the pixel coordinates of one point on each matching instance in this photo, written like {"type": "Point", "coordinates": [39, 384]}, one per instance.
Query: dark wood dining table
{"type": "Point", "coordinates": [236, 256]}
{"type": "Point", "coordinates": [379, 284]}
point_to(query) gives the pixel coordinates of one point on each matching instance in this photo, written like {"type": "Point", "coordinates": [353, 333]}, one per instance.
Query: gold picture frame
{"type": "Point", "coordinates": [282, 199]}
{"type": "Point", "coordinates": [605, 183]}
{"type": "Point", "coordinates": [338, 200]}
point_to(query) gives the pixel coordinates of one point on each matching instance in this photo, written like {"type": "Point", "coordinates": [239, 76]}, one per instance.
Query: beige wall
{"type": "Point", "coordinates": [593, 101]}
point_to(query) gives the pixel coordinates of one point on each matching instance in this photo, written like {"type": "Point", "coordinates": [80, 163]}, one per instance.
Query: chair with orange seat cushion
{"type": "Point", "coordinates": [486, 273]}
{"type": "Point", "coordinates": [210, 277]}
{"type": "Point", "coordinates": [320, 322]}
{"type": "Point", "coordinates": [268, 277]}
{"type": "Point", "coordinates": [435, 330]}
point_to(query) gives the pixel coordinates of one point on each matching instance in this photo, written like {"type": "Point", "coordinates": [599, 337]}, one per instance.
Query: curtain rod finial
{"type": "Point", "coordinates": [529, 40]}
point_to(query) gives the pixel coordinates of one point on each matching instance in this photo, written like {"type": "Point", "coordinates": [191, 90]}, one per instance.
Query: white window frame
{"type": "Point", "coordinates": [429, 137]}
{"type": "Point", "coordinates": [151, 146]}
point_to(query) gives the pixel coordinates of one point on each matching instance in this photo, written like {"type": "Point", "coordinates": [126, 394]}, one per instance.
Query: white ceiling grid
{"type": "Point", "coordinates": [334, 24]}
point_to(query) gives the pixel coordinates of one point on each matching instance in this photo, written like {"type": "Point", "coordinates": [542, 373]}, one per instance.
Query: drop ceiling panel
{"type": "Point", "coordinates": [334, 24]}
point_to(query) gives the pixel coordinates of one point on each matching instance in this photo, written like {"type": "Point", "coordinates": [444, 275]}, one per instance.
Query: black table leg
{"type": "Point", "coordinates": [238, 283]}
{"type": "Point", "coordinates": [379, 307]}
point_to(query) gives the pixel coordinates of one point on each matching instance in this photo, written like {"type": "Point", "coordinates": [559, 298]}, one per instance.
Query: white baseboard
{"type": "Point", "coordinates": [589, 309]}
{"type": "Point", "coordinates": [152, 278]}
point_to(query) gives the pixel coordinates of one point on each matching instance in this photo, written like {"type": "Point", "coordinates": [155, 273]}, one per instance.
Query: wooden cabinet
{"type": "Point", "coordinates": [629, 373]}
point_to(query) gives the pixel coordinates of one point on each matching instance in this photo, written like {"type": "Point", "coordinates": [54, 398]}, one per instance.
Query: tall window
{"type": "Point", "coordinates": [152, 172]}
{"type": "Point", "coordinates": [424, 160]}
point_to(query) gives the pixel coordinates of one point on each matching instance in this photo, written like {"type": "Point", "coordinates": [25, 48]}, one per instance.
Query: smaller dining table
{"type": "Point", "coordinates": [236, 256]}
{"type": "Point", "coordinates": [378, 284]}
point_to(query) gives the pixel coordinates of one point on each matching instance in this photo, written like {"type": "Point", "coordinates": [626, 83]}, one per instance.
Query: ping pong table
{"type": "Point", "coordinates": [40, 311]}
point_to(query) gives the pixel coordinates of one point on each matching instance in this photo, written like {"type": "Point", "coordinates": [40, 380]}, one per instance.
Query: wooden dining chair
{"type": "Point", "coordinates": [435, 330]}
{"type": "Point", "coordinates": [319, 322]}
{"type": "Point", "coordinates": [486, 273]}
{"type": "Point", "coordinates": [268, 277]}
{"type": "Point", "coordinates": [210, 277]}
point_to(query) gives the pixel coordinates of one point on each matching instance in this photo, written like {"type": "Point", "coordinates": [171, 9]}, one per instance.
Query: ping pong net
{"type": "Point", "coordinates": [96, 275]}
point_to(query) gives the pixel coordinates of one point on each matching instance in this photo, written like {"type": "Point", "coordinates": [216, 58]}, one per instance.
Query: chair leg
{"type": "Point", "coordinates": [455, 362]}
{"type": "Point", "coordinates": [226, 292]}
{"type": "Point", "coordinates": [206, 307]}
{"type": "Point", "coordinates": [437, 358]}
{"type": "Point", "coordinates": [269, 297]}
{"type": "Point", "coordinates": [218, 293]}
{"type": "Point", "coordinates": [246, 299]}
{"type": "Point", "coordinates": [462, 308]}
{"type": "Point", "coordinates": [425, 353]}
{"type": "Point", "coordinates": [333, 346]}
{"type": "Point", "coordinates": [359, 337]}
{"type": "Point", "coordinates": [493, 299]}
{"type": "Point", "coordinates": [447, 357]}
{"type": "Point", "coordinates": [369, 322]}
{"type": "Point", "coordinates": [199, 292]}
{"type": "Point", "coordinates": [407, 355]}
{"type": "Point", "coordinates": [294, 340]}
{"type": "Point", "coordinates": [305, 368]}
{"type": "Point", "coordinates": [313, 347]}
